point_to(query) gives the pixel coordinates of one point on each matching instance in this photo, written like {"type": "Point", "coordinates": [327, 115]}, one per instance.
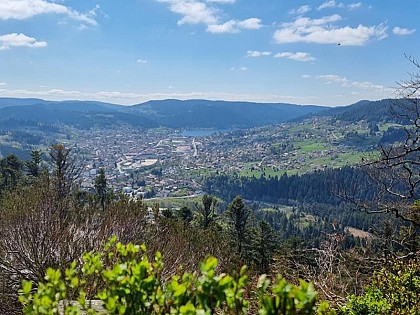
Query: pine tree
{"type": "Point", "coordinates": [11, 171]}
{"type": "Point", "coordinates": [62, 165]}
{"type": "Point", "coordinates": [100, 187]}
{"type": "Point", "coordinates": [33, 166]}
{"type": "Point", "coordinates": [238, 216]}
{"type": "Point", "coordinates": [185, 214]}
{"type": "Point", "coordinates": [207, 210]}
{"type": "Point", "coordinates": [266, 242]}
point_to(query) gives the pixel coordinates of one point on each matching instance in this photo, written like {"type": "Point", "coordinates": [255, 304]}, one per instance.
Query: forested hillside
{"type": "Point", "coordinates": [371, 111]}
{"type": "Point", "coordinates": [182, 114]}
{"type": "Point", "coordinates": [220, 114]}
{"type": "Point", "coordinates": [166, 113]}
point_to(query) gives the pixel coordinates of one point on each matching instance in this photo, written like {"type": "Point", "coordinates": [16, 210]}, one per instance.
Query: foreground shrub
{"type": "Point", "coordinates": [127, 282]}
{"type": "Point", "coordinates": [394, 290]}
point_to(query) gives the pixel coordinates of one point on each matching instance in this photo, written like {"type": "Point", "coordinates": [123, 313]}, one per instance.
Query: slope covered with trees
{"type": "Point", "coordinates": [183, 114]}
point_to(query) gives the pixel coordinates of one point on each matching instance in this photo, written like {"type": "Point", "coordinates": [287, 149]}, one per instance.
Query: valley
{"type": "Point", "coordinates": [291, 182]}
{"type": "Point", "coordinates": [166, 162]}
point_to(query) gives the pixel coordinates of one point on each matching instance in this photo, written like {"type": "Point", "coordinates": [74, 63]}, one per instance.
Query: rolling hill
{"type": "Point", "coordinates": [219, 114]}
{"type": "Point", "coordinates": [165, 113]}
{"type": "Point", "coordinates": [184, 114]}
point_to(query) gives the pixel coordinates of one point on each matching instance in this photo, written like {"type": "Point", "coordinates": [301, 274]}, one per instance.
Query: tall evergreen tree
{"type": "Point", "coordinates": [238, 215]}
{"type": "Point", "coordinates": [265, 244]}
{"type": "Point", "coordinates": [207, 210]}
{"type": "Point", "coordinates": [33, 166]}
{"type": "Point", "coordinates": [185, 214]}
{"type": "Point", "coordinates": [11, 170]}
{"type": "Point", "coordinates": [65, 170]}
{"type": "Point", "coordinates": [100, 187]}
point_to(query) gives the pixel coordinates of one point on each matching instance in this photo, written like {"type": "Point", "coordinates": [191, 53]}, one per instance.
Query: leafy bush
{"type": "Point", "coordinates": [394, 290]}
{"type": "Point", "coordinates": [127, 282]}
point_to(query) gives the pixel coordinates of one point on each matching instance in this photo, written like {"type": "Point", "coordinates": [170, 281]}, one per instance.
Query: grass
{"type": "Point", "coordinates": [310, 146]}
{"type": "Point", "coordinates": [333, 160]}
{"type": "Point", "coordinates": [312, 142]}
{"type": "Point", "coordinates": [386, 126]}
{"type": "Point", "coordinates": [340, 159]}
{"type": "Point", "coordinates": [306, 221]}
{"type": "Point", "coordinates": [282, 208]}
{"type": "Point", "coordinates": [174, 202]}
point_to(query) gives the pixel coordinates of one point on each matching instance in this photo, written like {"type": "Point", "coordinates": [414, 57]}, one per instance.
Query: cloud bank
{"type": "Point", "coordinates": [204, 12]}
{"type": "Point", "coordinates": [25, 9]}
{"type": "Point", "coordinates": [402, 31]}
{"type": "Point", "coordinates": [298, 56]}
{"type": "Point", "coordinates": [12, 40]}
{"type": "Point", "coordinates": [324, 31]}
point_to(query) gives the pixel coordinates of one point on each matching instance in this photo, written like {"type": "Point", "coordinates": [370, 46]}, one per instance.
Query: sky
{"type": "Point", "coordinates": [328, 53]}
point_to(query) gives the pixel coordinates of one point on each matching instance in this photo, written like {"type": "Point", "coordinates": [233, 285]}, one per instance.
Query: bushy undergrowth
{"type": "Point", "coordinates": [394, 290]}
{"type": "Point", "coordinates": [128, 282]}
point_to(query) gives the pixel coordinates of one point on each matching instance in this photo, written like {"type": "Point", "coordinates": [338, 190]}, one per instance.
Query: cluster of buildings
{"type": "Point", "coordinates": [138, 163]}
{"type": "Point", "coordinates": [167, 163]}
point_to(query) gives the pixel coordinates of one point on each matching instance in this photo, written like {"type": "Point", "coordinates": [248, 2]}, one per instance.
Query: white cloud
{"type": "Point", "coordinates": [323, 31]}
{"type": "Point", "coordinates": [239, 69]}
{"type": "Point", "coordinates": [8, 41]}
{"type": "Point", "coordinates": [142, 60]}
{"type": "Point", "coordinates": [24, 9]}
{"type": "Point", "coordinates": [327, 4]}
{"type": "Point", "coordinates": [332, 4]}
{"type": "Point", "coordinates": [228, 27]}
{"type": "Point", "coordinates": [250, 24]}
{"type": "Point", "coordinates": [402, 31]}
{"type": "Point", "coordinates": [222, 1]}
{"type": "Point", "coordinates": [346, 83]}
{"type": "Point", "coordinates": [298, 56]}
{"type": "Point", "coordinates": [255, 53]}
{"type": "Point", "coordinates": [302, 22]}
{"type": "Point", "coordinates": [200, 12]}
{"type": "Point", "coordinates": [88, 18]}
{"type": "Point", "coordinates": [301, 10]}
{"type": "Point", "coordinates": [355, 5]}
{"type": "Point", "coordinates": [234, 26]}
{"type": "Point", "coordinates": [333, 78]}
{"type": "Point", "coordinates": [367, 85]}
{"type": "Point", "coordinates": [193, 12]}
{"type": "Point", "coordinates": [129, 98]}
{"type": "Point", "coordinates": [3, 83]}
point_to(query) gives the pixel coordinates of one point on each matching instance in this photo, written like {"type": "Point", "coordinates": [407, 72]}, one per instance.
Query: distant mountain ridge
{"type": "Point", "coordinates": [166, 113]}
{"type": "Point", "coordinates": [184, 114]}
{"type": "Point", "coordinates": [371, 111]}
{"type": "Point", "coordinates": [59, 105]}
{"type": "Point", "coordinates": [219, 114]}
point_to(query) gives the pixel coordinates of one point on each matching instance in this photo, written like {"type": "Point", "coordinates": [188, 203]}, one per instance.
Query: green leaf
{"type": "Point", "coordinates": [26, 287]}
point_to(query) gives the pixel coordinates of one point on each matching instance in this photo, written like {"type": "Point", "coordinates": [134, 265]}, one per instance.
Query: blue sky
{"type": "Point", "coordinates": [303, 52]}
